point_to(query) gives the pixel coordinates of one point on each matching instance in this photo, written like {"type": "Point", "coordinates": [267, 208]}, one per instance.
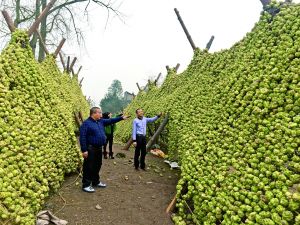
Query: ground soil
{"type": "Point", "coordinates": [139, 200]}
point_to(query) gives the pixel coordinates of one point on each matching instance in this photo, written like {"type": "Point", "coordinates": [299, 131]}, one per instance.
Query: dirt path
{"type": "Point", "coordinates": [140, 200]}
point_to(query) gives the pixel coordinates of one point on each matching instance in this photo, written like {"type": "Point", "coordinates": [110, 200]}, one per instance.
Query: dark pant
{"type": "Point", "coordinates": [140, 149]}
{"type": "Point", "coordinates": [91, 166]}
{"type": "Point", "coordinates": [109, 140]}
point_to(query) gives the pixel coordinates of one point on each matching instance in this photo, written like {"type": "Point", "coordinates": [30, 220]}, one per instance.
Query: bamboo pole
{"type": "Point", "coordinates": [42, 42]}
{"type": "Point", "coordinates": [79, 70]}
{"type": "Point", "coordinates": [185, 29]}
{"type": "Point", "coordinates": [157, 78]}
{"type": "Point", "coordinates": [208, 45]}
{"type": "Point", "coordinates": [159, 130]}
{"type": "Point", "coordinates": [137, 84]}
{"type": "Point", "coordinates": [80, 83]}
{"type": "Point", "coordinates": [9, 21]}
{"type": "Point", "coordinates": [62, 61]}
{"type": "Point", "coordinates": [61, 44]}
{"type": "Point", "coordinates": [36, 23]}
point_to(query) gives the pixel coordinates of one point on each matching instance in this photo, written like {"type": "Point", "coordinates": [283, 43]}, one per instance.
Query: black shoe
{"type": "Point", "coordinates": [111, 156]}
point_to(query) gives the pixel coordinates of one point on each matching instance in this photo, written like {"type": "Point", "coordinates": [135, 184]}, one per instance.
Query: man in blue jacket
{"type": "Point", "coordinates": [92, 138]}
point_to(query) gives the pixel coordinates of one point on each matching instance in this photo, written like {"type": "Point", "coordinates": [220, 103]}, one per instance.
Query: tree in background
{"type": "Point", "coordinates": [114, 100]}
{"type": "Point", "coordinates": [63, 20]}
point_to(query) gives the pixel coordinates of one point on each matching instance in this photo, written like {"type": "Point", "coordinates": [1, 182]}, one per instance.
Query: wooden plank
{"type": "Point", "coordinates": [36, 23]}
{"type": "Point", "coordinates": [61, 44]}
{"type": "Point", "coordinates": [185, 30]}
{"type": "Point", "coordinates": [9, 21]}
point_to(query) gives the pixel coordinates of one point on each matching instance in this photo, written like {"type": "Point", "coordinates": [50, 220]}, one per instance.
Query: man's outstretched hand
{"type": "Point", "coordinates": [125, 117]}
{"type": "Point", "coordinates": [160, 114]}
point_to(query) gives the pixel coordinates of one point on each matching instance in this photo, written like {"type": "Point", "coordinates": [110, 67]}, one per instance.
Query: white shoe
{"type": "Point", "coordinates": [101, 185]}
{"type": "Point", "coordinates": [89, 189]}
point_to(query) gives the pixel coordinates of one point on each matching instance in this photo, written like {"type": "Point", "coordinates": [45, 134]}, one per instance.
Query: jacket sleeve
{"type": "Point", "coordinates": [111, 121]}
{"type": "Point", "coordinates": [82, 138]}
{"type": "Point", "coordinates": [134, 130]}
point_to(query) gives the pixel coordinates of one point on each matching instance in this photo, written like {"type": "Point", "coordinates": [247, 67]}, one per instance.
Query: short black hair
{"type": "Point", "coordinates": [136, 111]}
{"type": "Point", "coordinates": [93, 110]}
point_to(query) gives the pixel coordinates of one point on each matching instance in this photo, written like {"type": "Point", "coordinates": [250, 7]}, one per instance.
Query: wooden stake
{"type": "Point", "coordinates": [80, 83]}
{"type": "Point", "coordinates": [210, 42]}
{"type": "Point", "coordinates": [61, 44]}
{"type": "Point", "coordinates": [36, 23]}
{"type": "Point", "coordinates": [9, 21]}
{"type": "Point", "coordinates": [72, 64]}
{"type": "Point", "coordinates": [171, 206]}
{"type": "Point", "coordinates": [177, 67]}
{"type": "Point", "coordinates": [157, 78]}
{"type": "Point", "coordinates": [68, 64]}
{"type": "Point", "coordinates": [128, 144]}
{"type": "Point", "coordinates": [185, 29]}
{"type": "Point", "coordinates": [168, 68]}
{"type": "Point", "coordinates": [62, 61]}
{"type": "Point", "coordinates": [42, 42]}
{"type": "Point", "coordinates": [79, 70]}
{"type": "Point", "coordinates": [137, 84]}
{"type": "Point", "coordinates": [265, 2]}
{"type": "Point", "coordinates": [159, 130]}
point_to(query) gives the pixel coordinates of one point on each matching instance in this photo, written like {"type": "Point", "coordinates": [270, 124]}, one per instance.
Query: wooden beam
{"type": "Point", "coordinates": [185, 29]}
{"type": "Point", "coordinates": [171, 206]}
{"type": "Point", "coordinates": [79, 70]}
{"type": "Point", "coordinates": [137, 84]}
{"type": "Point", "coordinates": [80, 83]}
{"type": "Point", "coordinates": [62, 61]}
{"type": "Point", "coordinates": [42, 42]}
{"type": "Point", "coordinates": [61, 44]}
{"type": "Point", "coordinates": [208, 45]}
{"type": "Point", "coordinates": [36, 23]}
{"type": "Point", "coordinates": [157, 78]}
{"type": "Point", "coordinates": [159, 130]}
{"type": "Point", "coordinates": [265, 2]}
{"type": "Point", "coordinates": [72, 64]}
{"type": "Point", "coordinates": [128, 144]}
{"type": "Point", "coordinates": [68, 64]}
{"type": "Point", "coordinates": [9, 21]}
{"type": "Point", "coordinates": [177, 67]}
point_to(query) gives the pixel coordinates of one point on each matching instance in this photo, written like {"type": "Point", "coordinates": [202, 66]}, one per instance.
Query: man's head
{"type": "Point", "coordinates": [139, 113]}
{"type": "Point", "coordinates": [95, 113]}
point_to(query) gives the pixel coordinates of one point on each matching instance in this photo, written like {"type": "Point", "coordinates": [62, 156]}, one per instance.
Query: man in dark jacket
{"type": "Point", "coordinates": [92, 138]}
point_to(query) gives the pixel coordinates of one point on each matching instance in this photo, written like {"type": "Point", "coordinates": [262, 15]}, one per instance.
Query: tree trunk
{"type": "Point", "coordinates": [34, 39]}
{"type": "Point", "coordinates": [18, 8]}
{"type": "Point", "coordinates": [43, 31]}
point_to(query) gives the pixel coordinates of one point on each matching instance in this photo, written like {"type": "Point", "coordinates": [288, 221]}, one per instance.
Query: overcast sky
{"type": "Point", "coordinates": [151, 38]}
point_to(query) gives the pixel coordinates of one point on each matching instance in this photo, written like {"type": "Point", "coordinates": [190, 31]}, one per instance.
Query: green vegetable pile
{"type": "Point", "coordinates": [235, 126]}
{"type": "Point", "coordinates": [37, 141]}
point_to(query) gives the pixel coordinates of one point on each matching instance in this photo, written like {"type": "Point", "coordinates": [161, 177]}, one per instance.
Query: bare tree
{"type": "Point", "coordinates": [61, 20]}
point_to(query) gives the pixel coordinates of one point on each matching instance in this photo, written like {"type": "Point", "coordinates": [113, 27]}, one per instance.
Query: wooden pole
{"type": "Point", "coordinates": [9, 21]}
{"type": "Point", "coordinates": [159, 130]}
{"type": "Point", "coordinates": [157, 78]}
{"type": "Point", "coordinates": [72, 64]}
{"type": "Point", "coordinates": [185, 29]}
{"type": "Point", "coordinates": [128, 144]}
{"type": "Point", "coordinates": [42, 42]}
{"type": "Point", "coordinates": [210, 42]}
{"type": "Point", "coordinates": [79, 70]}
{"type": "Point", "coordinates": [62, 61]}
{"type": "Point", "coordinates": [137, 84]}
{"type": "Point", "coordinates": [171, 206]}
{"type": "Point", "coordinates": [68, 64]}
{"type": "Point", "coordinates": [61, 44]}
{"type": "Point", "coordinates": [36, 23]}
{"type": "Point", "coordinates": [177, 67]}
{"type": "Point", "coordinates": [168, 68]}
{"type": "Point", "coordinates": [80, 83]}
{"type": "Point", "coordinates": [265, 2]}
